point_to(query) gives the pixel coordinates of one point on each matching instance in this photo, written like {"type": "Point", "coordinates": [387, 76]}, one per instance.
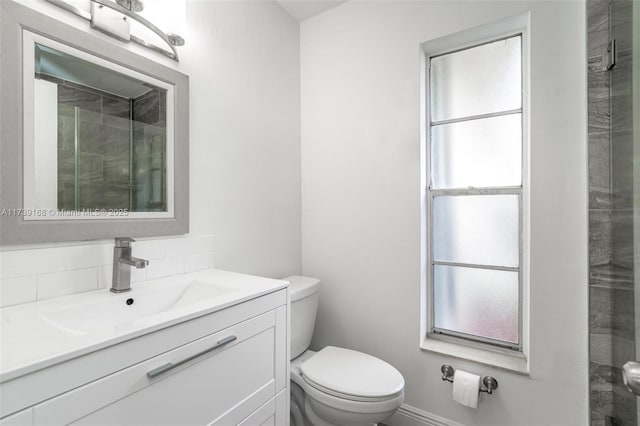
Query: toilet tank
{"type": "Point", "coordinates": [304, 306]}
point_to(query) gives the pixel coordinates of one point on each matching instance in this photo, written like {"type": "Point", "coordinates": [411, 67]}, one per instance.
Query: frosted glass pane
{"type": "Point", "coordinates": [478, 80]}
{"type": "Point", "coordinates": [480, 153]}
{"type": "Point", "coordinates": [477, 229]}
{"type": "Point", "coordinates": [480, 302]}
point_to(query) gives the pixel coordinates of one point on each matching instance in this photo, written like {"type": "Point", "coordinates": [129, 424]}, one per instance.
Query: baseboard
{"type": "Point", "coordinates": [412, 416]}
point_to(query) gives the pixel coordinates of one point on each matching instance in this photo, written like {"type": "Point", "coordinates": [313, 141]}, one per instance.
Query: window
{"type": "Point", "coordinates": [474, 199]}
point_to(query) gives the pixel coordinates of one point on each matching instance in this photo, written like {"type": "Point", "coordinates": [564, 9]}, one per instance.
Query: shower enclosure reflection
{"type": "Point", "coordinates": [110, 150]}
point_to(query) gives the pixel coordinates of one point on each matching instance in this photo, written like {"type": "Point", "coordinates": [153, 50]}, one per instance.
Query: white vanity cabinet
{"type": "Point", "coordinates": [228, 367]}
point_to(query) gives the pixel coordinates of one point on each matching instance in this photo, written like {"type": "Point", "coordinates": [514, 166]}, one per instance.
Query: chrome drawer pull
{"type": "Point", "coordinates": [171, 365]}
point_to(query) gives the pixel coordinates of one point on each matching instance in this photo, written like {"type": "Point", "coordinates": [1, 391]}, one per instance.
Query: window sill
{"type": "Point", "coordinates": [511, 361]}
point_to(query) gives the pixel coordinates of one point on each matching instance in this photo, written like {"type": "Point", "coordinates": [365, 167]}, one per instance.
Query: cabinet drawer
{"type": "Point", "coordinates": [210, 379]}
{"type": "Point", "coordinates": [273, 413]}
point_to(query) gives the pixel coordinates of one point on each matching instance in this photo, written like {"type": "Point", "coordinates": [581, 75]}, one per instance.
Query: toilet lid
{"type": "Point", "coordinates": [352, 373]}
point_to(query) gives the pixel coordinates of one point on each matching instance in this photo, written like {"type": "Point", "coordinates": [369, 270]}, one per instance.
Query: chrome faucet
{"type": "Point", "coordinates": [122, 262]}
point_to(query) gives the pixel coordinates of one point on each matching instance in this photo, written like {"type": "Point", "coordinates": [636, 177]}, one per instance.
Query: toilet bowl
{"type": "Point", "coordinates": [335, 386]}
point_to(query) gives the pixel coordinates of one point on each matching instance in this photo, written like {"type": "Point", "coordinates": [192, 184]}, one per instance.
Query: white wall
{"type": "Point", "coordinates": [245, 112]}
{"type": "Point", "coordinates": [361, 199]}
{"type": "Point", "coordinates": [243, 62]}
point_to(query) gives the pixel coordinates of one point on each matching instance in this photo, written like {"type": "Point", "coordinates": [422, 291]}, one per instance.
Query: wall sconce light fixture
{"type": "Point", "coordinates": [113, 18]}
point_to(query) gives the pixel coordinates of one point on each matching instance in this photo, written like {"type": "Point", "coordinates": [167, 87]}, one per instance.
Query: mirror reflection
{"type": "Point", "coordinates": [110, 147]}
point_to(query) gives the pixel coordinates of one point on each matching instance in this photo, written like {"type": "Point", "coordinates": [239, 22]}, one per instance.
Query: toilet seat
{"type": "Point", "coordinates": [352, 375]}
{"type": "Point", "coordinates": [328, 405]}
{"type": "Point", "coordinates": [348, 397]}
{"type": "Point", "coordinates": [350, 405]}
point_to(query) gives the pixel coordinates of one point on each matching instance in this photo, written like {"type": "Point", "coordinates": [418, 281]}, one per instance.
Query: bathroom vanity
{"type": "Point", "coordinates": [204, 348]}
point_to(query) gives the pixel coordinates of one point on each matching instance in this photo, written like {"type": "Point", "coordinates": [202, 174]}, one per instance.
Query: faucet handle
{"type": "Point", "coordinates": [124, 241]}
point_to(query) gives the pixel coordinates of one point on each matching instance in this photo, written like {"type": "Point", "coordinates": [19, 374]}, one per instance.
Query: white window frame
{"type": "Point", "coordinates": [479, 350]}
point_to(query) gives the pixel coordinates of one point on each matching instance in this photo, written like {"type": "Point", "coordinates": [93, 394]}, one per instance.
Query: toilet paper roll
{"type": "Point", "coordinates": [466, 387]}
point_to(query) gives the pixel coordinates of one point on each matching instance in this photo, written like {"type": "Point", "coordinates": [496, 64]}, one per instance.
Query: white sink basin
{"type": "Point", "coordinates": [126, 311]}
{"type": "Point", "coordinates": [39, 334]}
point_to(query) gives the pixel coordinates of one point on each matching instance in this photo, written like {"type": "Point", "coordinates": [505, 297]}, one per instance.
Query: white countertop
{"type": "Point", "coordinates": [40, 334]}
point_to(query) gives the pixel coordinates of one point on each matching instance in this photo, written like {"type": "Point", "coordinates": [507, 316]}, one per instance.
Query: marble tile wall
{"type": "Point", "coordinates": [103, 148]}
{"type": "Point", "coordinates": [149, 148]}
{"type": "Point", "coordinates": [150, 107]}
{"type": "Point", "coordinates": [610, 217]}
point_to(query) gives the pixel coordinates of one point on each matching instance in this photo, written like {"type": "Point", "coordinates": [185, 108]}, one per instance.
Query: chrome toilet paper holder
{"type": "Point", "coordinates": [487, 383]}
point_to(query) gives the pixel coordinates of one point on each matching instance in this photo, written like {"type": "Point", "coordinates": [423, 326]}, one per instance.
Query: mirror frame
{"type": "Point", "coordinates": [15, 18]}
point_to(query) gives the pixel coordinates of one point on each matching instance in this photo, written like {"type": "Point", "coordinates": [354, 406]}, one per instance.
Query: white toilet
{"type": "Point", "coordinates": [335, 386]}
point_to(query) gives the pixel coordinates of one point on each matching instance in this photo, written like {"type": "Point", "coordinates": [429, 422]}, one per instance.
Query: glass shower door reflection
{"type": "Point", "coordinates": [112, 134]}
{"type": "Point", "coordinates": [111, 152]}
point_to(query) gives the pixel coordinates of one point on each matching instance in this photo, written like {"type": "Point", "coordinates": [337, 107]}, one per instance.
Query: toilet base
{"type": "Point", "coordinates": [306, 411]}
{"type": "Point", "coordinates": [313, 407]}
{"type": "Point", "coordinates": [316, 420]}
{"type": "Point", "coordinates": [308, 417]}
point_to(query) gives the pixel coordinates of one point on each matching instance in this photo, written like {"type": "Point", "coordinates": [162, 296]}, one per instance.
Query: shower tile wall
{"type": "Point", "coordinates": [149, 159]}
{"type": "Point", "coordinates": [610, 217]}
{"type": "Point", "coordinates": [103, 148]}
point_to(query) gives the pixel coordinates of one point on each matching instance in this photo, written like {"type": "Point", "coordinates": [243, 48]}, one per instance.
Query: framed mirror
{"type": "Point", "coordinates": [98, 146]}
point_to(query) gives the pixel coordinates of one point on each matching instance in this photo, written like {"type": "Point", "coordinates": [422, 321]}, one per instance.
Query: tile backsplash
{"type": "Point", "coordinates": [30, 274]}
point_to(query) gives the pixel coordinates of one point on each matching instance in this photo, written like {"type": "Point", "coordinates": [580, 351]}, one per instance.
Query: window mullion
{"type": "Point", "coordinates": [476, 266]}
{"type": "Point", "coordinates": [476, 117]}
{"type": "Point", "coordinates": [475, 338]}
{"type": "Point", "coordinates": [506, 190]}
